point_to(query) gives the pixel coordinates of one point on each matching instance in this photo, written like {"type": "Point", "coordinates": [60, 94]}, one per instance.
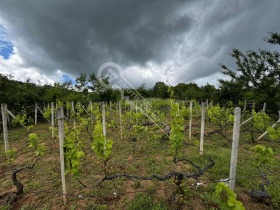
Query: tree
{"type": "Point", "coordinates": [99, 91]}
{"type": "Point", "coordinates": [257, 73]}
{"type": "Point", "coordinates": [209, 92]}
{"type": "Point", "coordinates": [193, 92]}
{"type": "Point", "coordinates": [81, 83]}
{"type": "Point", "coordinates": [180, 91]}
{"type": "Point", "coordinates": [143, 91]}
{"type": "Point", "coordinates": [160, 90]}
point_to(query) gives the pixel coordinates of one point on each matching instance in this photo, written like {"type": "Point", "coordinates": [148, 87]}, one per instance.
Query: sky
{"type": "Point", "coordinates": [178, 41]}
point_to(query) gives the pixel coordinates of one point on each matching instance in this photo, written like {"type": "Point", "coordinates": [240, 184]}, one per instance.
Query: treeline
{"type": "Point", "coordinates": [19, 94]}
{"type": "Point", "coordinates": [256, 78]}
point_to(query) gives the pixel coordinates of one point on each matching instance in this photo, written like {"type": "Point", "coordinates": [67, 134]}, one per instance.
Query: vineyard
{"type": "Point", "coordinates": [154, 154]}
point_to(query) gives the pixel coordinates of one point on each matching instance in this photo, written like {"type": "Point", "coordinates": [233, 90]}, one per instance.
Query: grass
{"type": "Point", "coordinates": [42, 185]}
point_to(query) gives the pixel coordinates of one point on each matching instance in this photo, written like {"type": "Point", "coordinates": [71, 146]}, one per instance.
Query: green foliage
{"type": "Point", "coordinates": [112, 124]}
{"type": "Point", "coordinates": [185, 113]}
{"type": "Point", "coordinates": [137, 120]}
{"type": "Point", "coordinates": [73, 150]}
{"type": "Point", "coordinates": [170, 91]}
{"type": "Point", "coordinates": [273, 133]}
{"type": "Point", "coordinates": [47, 112]}
{"type": "Point", "coordinates": [263, 155]}
{"type": "Point", "coordinates": [10, 154]}
{"type": "Point", "coordinates": [256, 76]}
{"type": "Point", "coordinates": [146, 202]}
{"type": "Point", "coordinates": [177, 136]}
{"type": "Point", "coordinates": [70, 110]}
{"type": "Point", "coordinates": [160, 90]}
{"type": "Point", "coordinates": [101, 146]}
{"type": "Point", "coordinates": [220, 116]}
{"type": "Point", "coordinates": [33, 142]}
{"type": "Point", "coordinates": [78, 110]}
{"type": "Point", "coordinates": [20, 119]}
{"type": "Point", "coordinates": [94, 110]}
{"type": "Point", "coordinates": [137, 130]}
{"type": "Point", "coordinates": [225, 198]}
{"type": "Point", "coordinates": [58, 103]}
{"type": "Point", "coordinates": [261, 120]}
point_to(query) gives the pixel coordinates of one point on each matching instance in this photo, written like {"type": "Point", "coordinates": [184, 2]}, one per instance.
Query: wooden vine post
{"type": "Point", "coordinates": [52, 117]}
{"type": "Point", "coordinates": [190, 123]}
{"type": "Point", "coordinates": [202, 128]}
{"type": "Point", "coordinates": [5, 127]}
{"type": "Point", "coordinates": [60, 117]}
{"type": "Point", "coordinates": [234, 149]}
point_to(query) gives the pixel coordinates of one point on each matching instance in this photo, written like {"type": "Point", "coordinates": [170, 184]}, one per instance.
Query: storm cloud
{"type": "Point", "coordinates": [150, 39]}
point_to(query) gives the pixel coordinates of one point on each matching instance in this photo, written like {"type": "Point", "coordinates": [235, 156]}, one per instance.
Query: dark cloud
{"type": "Point", "coordinates": [79, 36]}
{"type": "Point", "coordinates": [226, 25]}
{"type": "Point", "coordinates": [185, 39]}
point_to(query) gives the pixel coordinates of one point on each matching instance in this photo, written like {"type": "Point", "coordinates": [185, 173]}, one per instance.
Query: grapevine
{"type": "Point", "coordinates": [47, 112]}
{"type": "Point", "coordinates": [273, 133]}
{"type": "Point", "coordinates": [225, 198]}
{"type": "Point", "coordinates": [264, 156]}
{"type": "Point", "coordinates": [177, 136]}
{"type": "Point", "coordinates": [33, 142]}
{"type": "Point", "coordinates": [10, 154]}
{"type": "Point", "coordinates": [260, 120]}
{"type": "Point", "coordinates": [221, 117]}
{"type": "Point", "coordinates": [73, 150]}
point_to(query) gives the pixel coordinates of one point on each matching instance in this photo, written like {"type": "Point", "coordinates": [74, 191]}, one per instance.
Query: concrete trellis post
{"type": "Point", "coordinates": [264, 107]}
{"type": "Point", "coordinates": [73, 110]}
{"type": "Point", "coordinates": [234, 150]}
{"type": "Point", "coordinates": [36, 110]}
{"type": "Point", "coordinates": [73, 107]}
{"type": "Point", "coordinates": [5, 127]}
{"type": "Point", "coordinates": [60, 117]}
{"type": "Point", "coordinates": [202, 128]}
{"type": "Point", "coordinates": [120, 114]}
{"type": "Point", "coordinates": [245, 105]}
{"type": "Point", "coordinates": [190, 123]}
{"type": "Point", "coordinates": [91, 114]}
{"type": "Point", "coordinates": [130, 109]}
{"type": "Point", "coordinates": [103, 118]}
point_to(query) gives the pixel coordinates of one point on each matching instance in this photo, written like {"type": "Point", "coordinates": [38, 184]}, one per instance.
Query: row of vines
{"type": "Point", "coordinates": [91, 132]}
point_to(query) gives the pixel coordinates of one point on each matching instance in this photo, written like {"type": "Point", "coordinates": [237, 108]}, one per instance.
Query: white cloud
{"type": "Point", "coordinates": [17, 67]}
{"type": "Point", "coordinates": [211, 80]}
